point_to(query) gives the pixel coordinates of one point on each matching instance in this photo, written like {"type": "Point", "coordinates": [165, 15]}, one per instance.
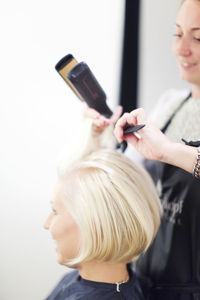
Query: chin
{"type": "Point", "coordinates": [72, 267]}
{"type": "Point", "coordinates": [60, 259]}
{"type": "Point", "coordinates": [63, 261]}
{"type": "Point", "coordinates": [188, 78]}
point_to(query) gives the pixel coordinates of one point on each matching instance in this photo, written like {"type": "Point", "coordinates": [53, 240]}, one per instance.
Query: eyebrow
{"type": "Point", "coordinates": [193, 29]}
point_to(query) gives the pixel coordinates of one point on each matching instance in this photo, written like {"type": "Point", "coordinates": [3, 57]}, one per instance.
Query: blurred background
{"type": "Point", "coordinates": [39, 113]}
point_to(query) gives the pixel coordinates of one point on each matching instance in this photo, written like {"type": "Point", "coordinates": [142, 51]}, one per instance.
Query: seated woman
{"type": "Point", "coordinates": [105, 213]}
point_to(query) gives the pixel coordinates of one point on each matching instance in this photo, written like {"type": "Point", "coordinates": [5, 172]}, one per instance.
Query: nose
{"type": "Point", "coordinates": [184, 48]}
{"type": "Point", "coordinates": [47, 223]}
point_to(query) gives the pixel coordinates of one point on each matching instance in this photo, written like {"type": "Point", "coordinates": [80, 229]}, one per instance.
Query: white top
{"type": "Point", "coordinates": [186, 122]}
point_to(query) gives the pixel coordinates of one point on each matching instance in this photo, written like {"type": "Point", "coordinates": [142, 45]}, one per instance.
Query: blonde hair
{"type": "Point", "coordinates": [115, 205]}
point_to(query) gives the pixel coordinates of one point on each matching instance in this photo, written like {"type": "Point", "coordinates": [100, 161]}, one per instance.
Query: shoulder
{"type": "Point", "coordinates": [167, 104]}
{"type": "Point", "coordinates": [69, 278]}
{"type": "Point", "coordinates": [63, 286]}
{"type": "Point", "coordinates": [73, 287]}
{"type": "Point", "coordinates": [134, 289]}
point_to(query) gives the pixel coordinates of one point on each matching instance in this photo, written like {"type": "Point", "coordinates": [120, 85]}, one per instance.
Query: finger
{"type": "Point", "coordinates": [91, 113]}
{"type": "Point", "coordinates": [117, 113]}
{"type": "Point", "coordinates": [123, 121]}
{"type": "Point", "coordinates": [132, 139]}
{"type": "Point", "coordinates": [101, 122]}
{"type": "Point", "coordinates": [118, 131]}
{"type": "Point", "coordinates": [135, 117]}
{"type": "Point", "coordinates": [132, 120]}
{"type": "Point", "coordinates": [139, 115]}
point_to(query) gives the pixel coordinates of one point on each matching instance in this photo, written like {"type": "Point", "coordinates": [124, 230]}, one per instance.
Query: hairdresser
{"type": "Point", "coordinates": [172, 265]}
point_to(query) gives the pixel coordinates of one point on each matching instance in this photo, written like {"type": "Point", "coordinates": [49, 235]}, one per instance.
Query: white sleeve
{"type": "Point", "coordinates": [166, 105]}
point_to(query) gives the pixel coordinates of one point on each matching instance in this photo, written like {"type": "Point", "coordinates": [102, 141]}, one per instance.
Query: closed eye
{"type": "Point", "coordinates": [54, 211]}
{"type": "Point", "coordinates": [177, 35]}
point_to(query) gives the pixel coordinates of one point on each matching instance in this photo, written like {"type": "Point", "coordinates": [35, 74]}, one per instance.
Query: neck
{"type": "Point", "coordinates": [104, 272]}
{"type": "Point", "coordinates": [196, 92]}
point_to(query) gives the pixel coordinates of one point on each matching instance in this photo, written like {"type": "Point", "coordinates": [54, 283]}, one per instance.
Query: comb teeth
{"type": "Point", "coordinates": [63, 62]}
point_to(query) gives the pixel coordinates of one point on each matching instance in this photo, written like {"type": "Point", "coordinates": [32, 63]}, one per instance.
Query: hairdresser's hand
{"type": "Point", "coordinates": [99, 121]}
{"type": "Point", "coordinates": [152, 143]}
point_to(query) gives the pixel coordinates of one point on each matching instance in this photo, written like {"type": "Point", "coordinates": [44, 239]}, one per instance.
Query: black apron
{"type": "Point", "coordinates": [170, 268]}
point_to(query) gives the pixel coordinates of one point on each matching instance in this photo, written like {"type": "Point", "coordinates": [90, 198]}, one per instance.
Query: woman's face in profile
{"type": "Point", "coordinates": [187, 41]}
{"type": "Point", "coordinates": [64, 230]}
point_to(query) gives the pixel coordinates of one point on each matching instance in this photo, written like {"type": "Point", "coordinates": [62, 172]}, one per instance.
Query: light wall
{"type": "Point", "coordinates": [157, 66]}
{"type": "Point", "coordinates": [39, 115]}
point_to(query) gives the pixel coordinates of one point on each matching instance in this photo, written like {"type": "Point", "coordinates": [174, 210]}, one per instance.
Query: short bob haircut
{"type": "Point", "coordinates": [114, 203]}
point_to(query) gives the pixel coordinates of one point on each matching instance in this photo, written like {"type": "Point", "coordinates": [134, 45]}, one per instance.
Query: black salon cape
{"type": "Point", "coordinates": [73, 287]}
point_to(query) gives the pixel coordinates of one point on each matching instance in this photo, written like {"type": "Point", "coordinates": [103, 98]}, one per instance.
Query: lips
{"type": "Point", "coordinates": [187, 65]}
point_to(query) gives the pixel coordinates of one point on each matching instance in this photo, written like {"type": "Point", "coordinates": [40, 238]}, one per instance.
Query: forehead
{"type": "Point", "coordinates": [189, 14]}
{"type": "Point", "coordinates": [65, 187]}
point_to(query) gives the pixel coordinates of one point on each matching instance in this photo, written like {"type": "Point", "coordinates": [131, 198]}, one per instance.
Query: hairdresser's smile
{"type": "Point", "coordinates": [187, 65]}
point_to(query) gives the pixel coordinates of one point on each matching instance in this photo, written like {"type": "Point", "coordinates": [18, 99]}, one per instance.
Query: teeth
{"type": "Point", "coordinates": [187, 64]}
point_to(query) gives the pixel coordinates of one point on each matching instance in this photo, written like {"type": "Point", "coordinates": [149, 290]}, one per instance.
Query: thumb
{"type": "Point", "coordinates": [117, 113]}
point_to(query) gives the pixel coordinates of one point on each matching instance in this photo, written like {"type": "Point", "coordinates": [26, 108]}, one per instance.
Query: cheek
{"type": "Point", "coordinates": [66, 234]}
{"type": "Point", "coordinates": [196, 52]}
{"type": "Point", "coordinates": [56, 229]}
{"type": "Point", "coordinates": [63, 227]}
